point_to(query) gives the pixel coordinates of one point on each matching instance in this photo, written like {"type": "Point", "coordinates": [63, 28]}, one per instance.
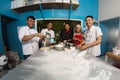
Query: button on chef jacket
{"type": "Point", "coordinates": [44, 31]}
{"type": "Point", "coordinates": [31, 46]}
{"type": "Point", "coordinates": [91, 36]}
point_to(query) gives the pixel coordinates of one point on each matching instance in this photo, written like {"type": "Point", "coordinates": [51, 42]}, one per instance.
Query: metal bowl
{"type": "Point", "coordinates": [59, 47]}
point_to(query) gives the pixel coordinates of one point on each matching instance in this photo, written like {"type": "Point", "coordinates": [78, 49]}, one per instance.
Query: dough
{"type": "Point", "coordinates": [44, 48]}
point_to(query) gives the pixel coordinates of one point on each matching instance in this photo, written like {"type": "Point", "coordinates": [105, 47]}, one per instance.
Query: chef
{"type": "Point", "coordinates": [48, 33]}
{"type": "Point", "coordinates": [66, 34]}
{"type": "Point", "coordinates": [29, 37]}
{"type": "Point", "coordinates": [93, 38]}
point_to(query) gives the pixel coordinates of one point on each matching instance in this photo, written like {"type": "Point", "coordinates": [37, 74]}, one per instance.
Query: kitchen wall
{"type": "Point", "coordinates": [110, 30]}
{"type": "Point", "coordinates": [108, 15]}
{"type": "Point", "coordinates": [5, 9]}
{"type": "Point", "coordinates": [104, 38]}
{"type": "Point", "coordinates": [1, 39]}
{"type": "Point", "coordinates": [108, 9]}
{"type": "Point", "coordinates": [87, 7]}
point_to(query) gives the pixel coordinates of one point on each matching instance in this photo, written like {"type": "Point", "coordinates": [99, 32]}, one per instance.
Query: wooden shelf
{"type": "Point", "coordinates": [27, 8]}
{"type": "Point", "coordinates": [45, 6]}
{"type": "Point", "coordinates": [58, 6]}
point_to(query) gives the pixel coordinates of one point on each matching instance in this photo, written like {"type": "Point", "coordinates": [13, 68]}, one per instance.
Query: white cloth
{"type": "Point", "coordinates": [31, 46]}
{"type": "Point", "coordinates": [91, 36]}
{"type": "Point", "coordinates": [44, 31]}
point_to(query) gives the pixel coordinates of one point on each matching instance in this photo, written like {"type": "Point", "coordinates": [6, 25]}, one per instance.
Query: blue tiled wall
{"type": "Point", "coordinates": [1, 39]}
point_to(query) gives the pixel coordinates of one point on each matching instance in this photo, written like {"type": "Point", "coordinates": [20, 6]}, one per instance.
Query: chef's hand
{"type": "Point", "coordinates": [38, 35]}
{"type": "Point", "coordinates": [68, 40]}
{"type": "Point", "coordinates": [43, 38]}
{"type": "Point", "coordinates": [75, 39]}
{"type": "Point", "coordinates": [82, 47]}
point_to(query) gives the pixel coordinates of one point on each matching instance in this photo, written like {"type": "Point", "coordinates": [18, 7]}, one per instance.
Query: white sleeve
{"type": "Point", "coordinates": [53, 34]}
{"type": "Point", "coordinates": [43, 32]}
{"type": "Point", "coordinates": [99, 32]}
{"type": "Point", "coordinates": [21, 33]}
{"type": "Point", "coordinates": [37, 38]}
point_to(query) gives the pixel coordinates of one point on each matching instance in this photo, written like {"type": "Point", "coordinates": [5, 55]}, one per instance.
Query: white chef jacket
{"type": "Point", "coordinates": [48, 31]}
{"type": "Point", "coordinates": [91, 36]}
{"type": "Point", "coordinates": [31, 46]}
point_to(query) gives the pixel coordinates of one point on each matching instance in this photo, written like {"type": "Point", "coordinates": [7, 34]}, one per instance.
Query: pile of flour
{"type": "Point", "coordinates": [62, 66]}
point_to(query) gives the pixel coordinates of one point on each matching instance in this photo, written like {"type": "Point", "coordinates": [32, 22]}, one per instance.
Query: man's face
{"type": "Point", "coordinates": [49, 26]}
{"type": "Point", "coordinates": [89, 21]}
{"type": "Point", "coordinates": [30, 22]}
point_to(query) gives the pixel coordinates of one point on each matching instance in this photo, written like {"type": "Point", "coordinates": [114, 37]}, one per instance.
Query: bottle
{"type": "Point", "coordinates": [44, 43]}
{"type": "Point", "coordinates": [52, 42]}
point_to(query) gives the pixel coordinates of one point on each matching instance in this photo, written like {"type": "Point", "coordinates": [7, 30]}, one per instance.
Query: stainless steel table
{"type": "Point", "coordinates": [63, 65]}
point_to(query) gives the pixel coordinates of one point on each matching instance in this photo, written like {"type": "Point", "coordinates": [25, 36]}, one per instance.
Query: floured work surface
{"type": "Point", "coordinates": [63, 65]}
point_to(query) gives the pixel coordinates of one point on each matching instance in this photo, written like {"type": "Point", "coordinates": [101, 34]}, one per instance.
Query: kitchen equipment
{"type": "Point", "coordinates": [48, 38]}
{"type": "Point", "coordinates": [3, 61]}
{"type": "Point", "coordinates": [59, 47]}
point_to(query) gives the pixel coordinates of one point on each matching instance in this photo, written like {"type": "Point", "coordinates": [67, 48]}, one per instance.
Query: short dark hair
{"type": "Point", "coordinates": [89, 16]}
{"type": "Point", "coordinates": [67, 24]}
{"type": "Point", "coordinates": [49, 22]}
{"type": "Point", "coordinates": [31, 17]}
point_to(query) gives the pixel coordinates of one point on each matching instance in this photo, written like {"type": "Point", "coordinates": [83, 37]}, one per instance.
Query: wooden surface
{"type": "Point", "coordinates": [113, 56]}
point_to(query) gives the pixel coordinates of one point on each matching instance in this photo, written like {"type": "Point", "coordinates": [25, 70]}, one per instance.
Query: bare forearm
{"type": "Point", "coordinates": [28, 37]}
{"type": "Point", "coordinates": [98, 41]}
{"type": "Point", "coordinates": [82, 43]}
{"type": "Point", "coordinates": [93, 44]}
